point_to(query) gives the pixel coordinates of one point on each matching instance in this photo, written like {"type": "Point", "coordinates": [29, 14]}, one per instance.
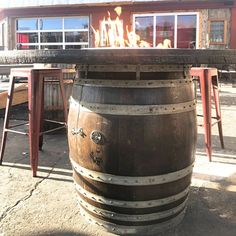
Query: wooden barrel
{"type": "Point", "coordinates": [132, 135]}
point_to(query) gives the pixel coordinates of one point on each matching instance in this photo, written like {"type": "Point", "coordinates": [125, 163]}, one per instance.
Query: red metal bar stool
{"type": "Point", "coordinates": [208, 79]}
{"type": "Point", "coordinates": [36, 79]}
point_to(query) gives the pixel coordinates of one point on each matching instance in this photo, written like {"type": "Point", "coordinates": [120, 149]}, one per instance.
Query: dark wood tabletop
{"type": "Point", "coordinates": [111, 56]}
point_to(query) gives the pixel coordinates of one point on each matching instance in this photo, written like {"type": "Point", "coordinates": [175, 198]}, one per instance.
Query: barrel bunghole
{"type": "Point", "coordinates": [132, 136]}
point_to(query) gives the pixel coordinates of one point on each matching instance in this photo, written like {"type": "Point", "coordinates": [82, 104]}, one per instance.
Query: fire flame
{"type": "Point", "coordinates": [111, 33]}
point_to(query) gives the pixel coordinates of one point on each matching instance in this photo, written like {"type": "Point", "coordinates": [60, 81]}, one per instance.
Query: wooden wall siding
{"type": "Point", "coordinates": [221, 14]}
{"type": "Point", "coordinates": [204, 28]}
{"type": "Point", "coordinates": [233, 29]}
{"type": "Point", "coordinates": [52, 95]}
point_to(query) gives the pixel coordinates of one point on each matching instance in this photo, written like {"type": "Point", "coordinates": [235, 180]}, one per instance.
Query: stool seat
{"type": "Point", "coordinates": [35, 78]}
{"type": "Point", "coordinates": [208, 79]}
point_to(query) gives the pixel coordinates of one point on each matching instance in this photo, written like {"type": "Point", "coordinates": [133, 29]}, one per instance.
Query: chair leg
{"type": "Point", "coordinates": [218, 110]}
{"type": "Point", "coordinates": [63, 97]}
{"type": "Point", "coordinates": [7, 116]}
{"type": "Point", "coordinates": [205, 84]}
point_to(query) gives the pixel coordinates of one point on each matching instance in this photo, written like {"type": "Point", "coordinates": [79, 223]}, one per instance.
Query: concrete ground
{"type": "Point", "coordinates": [47, 205]}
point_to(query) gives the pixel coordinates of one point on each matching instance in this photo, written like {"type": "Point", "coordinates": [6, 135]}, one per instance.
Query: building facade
{"type": "Point", "coordinates": [68, 24]}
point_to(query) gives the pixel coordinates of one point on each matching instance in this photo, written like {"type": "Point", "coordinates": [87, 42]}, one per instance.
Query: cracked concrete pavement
{"type": "Point", "coordinates": [47, 205]}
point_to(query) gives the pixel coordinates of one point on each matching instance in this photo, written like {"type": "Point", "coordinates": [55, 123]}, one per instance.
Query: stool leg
{"type": "Point", "coordinates": [215, 86]}
{"type": "Point", "coordinates": [7, 116]}
{"type": "Point", "coordinates": [205, 84]}
{"type": "Point", "coordinates": [41, 118]}
{"type": "Point", "coordinates": [63, 96]}
{"type": "Point", "coordinates": [35, 93]}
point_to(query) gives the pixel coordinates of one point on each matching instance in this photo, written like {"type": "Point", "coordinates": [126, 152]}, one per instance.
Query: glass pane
{"type": "Point", "coordinates": [186, 31]}
{"type": "Point", "coordinates": [51, 47]}
{"type": "Point", "coordinates": [76, 23]}
{"type": "Point", "coordinates": [50, 23]}
{"type": "Point", "coordinates": [217, 31]}
{"type": "Point", "coordinates": [25, 47]}
{"type": "Point", "coordinates": [27, 38]}
{"type": "Point", "coordinates": [144, 28]}
{"type": "Point", "coordinates": [76, 37]}
{"type": "Point", "coordinates": [51, 37]}
{"type": "Point", "coordinates": [27, 24]}
{"type": "Point", "coordinates": [165, 31]}
{"type": "Point", "coordinates": [74, 46]}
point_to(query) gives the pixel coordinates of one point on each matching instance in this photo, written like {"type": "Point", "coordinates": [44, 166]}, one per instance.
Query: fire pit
{"type": "Point", "coordinates": [132, 132]}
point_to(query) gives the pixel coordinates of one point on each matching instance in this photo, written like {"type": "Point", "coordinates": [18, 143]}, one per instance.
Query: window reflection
{"type": "Point", "coordinates": [165, 27]}
{"type": "Point", "coordinates": [50, 23]}
{"type": "Point", "coordinates": [144, 28]}
{"type": "Point", "coordinates": [27, 24]}
{"type": "Point", "coordinates": [186, 31]}
{"type": "Point", "coordinates": [76, 23]}
{"type": "Point", "coordinates": [27, 37]}
{"type": "Point", "coordinates": [217, 31]}
{"type": "Point", "coordinates": [171, 30]}
{"type": "Point", "coordinates": [51, 37]}
{"type": "Point", "coordinates": [76, 46]}
{"type": "Point", "coordinates": [20, 46]}
{"type": "Point", "coordinates": [51, 47]}
{"type": "Point", "coordinates": [76, 37]}
{"type": "Point", "coordinates": [52, 33]}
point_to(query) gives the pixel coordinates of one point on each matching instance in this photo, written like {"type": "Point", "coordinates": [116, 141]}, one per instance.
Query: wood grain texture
{"type": "Point", "coordinates": [123, 56]}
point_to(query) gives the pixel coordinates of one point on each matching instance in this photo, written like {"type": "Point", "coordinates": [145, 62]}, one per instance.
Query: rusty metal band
{"type": "Point", "coordinates": [133, 83]}
{"type": "Point", "coordinates": [131, 204]}
{"type": "Point", "coordinates": [132, 218]}
{"type": "Point", "coordinates": [142, 230]}
{"type": "Point", "coordinates": [128, 180]}
{"type": "Point", "coordinates": [133, 68]}
{"type": "Point", "coordinates": [135, 110]}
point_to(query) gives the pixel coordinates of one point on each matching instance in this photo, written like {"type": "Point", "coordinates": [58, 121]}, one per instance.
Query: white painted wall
{"type": "Point", "coordinates": [4, 34]}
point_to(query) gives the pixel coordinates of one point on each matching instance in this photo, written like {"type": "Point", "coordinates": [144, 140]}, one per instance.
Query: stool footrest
{"type": "Point", "coordinates": [13, 126]}
{"type": "Point", "coordinates": [16, 131]}
{"type": "Point", "coordinates": [51, 130]}
{"type": "Point", "coordinates": [55, 121]}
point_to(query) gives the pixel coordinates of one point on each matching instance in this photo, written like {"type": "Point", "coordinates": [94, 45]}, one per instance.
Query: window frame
{"type": "Point", "coordinates": [39, 44]}
{"type": "Point", "coordinates": [224, 42]}
{"type": "Point", "coordinates": [175, 14]}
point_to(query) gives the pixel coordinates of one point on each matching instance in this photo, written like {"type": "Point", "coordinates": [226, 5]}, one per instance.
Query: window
{"type": "Point", "coordinates": [52, 33]}
{"type": "Point", "coordinates": [217, 31]}
{"type": "Point", "coordinates": [173, 30]}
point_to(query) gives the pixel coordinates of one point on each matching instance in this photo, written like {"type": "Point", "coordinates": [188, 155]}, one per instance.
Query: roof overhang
{"type": "Point", "coordinates": [8, 4]}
